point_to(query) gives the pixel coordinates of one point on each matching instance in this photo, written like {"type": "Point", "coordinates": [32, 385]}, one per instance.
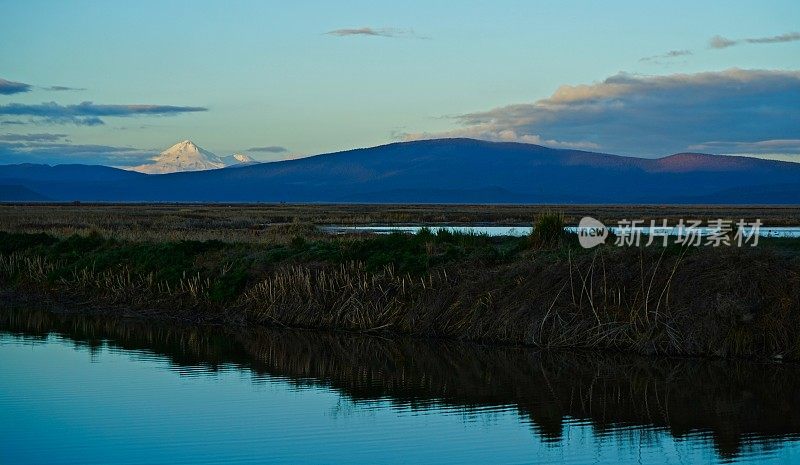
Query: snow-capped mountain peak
{"type": "Point", "coordinates": [242, 158]}
{"type": "Point", "coordinates": [238, 159]}
{"type": "Point", "coordinates": [187, 156]}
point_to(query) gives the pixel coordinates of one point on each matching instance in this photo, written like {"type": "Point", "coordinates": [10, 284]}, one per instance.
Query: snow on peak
{"type": "Point", "coordinates": [242, 158]}
{"type": "Point", "coordinates": [238, 159]}
{"type": "Point", "coordinates": [187, 156]}
{"type": "Point", "coordinates": [183, 156]}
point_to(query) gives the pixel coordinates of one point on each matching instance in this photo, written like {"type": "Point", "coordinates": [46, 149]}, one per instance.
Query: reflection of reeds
{"type": "Point", "coordinates": [736, 403]}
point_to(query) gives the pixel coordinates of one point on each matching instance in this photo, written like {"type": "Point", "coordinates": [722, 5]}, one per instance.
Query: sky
{"type": "Point", "coordinates": [116, 82]}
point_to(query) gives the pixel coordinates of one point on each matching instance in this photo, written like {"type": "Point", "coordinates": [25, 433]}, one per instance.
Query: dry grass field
{"type": "Point", "coordinates": [275, 222]}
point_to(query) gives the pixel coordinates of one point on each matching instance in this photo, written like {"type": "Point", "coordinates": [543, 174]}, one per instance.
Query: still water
{"type": "Point", "coordinates": [90, 390]}
{"type": "Point", "coordinates": [522, 230]}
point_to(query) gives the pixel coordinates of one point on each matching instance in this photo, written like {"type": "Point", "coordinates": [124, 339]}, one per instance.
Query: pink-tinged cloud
{"type": "Point", "coordinates": [649, 115]}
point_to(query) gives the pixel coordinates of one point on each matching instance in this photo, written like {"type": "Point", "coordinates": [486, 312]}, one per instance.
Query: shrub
{"type": "Point", "coordinates": [548, 230]}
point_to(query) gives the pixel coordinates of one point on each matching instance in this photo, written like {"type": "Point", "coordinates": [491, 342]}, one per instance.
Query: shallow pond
{"type": "Point", "coordinates": [523, 230]}
{"type": "Point", "coordinates": [102, 390]}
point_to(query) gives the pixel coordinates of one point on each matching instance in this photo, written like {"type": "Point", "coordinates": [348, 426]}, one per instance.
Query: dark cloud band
{"type": "Point", "coordinates": [88, 113]}
{"type": "Point", "coordinates": [11, 87]}
{"type": "Point", "coordinates": [47, 152]}
{"type": "Point", "coordinates": [40, 137]}
{"type": "Point", "coordinates": [268, 149]}
{"type": "Point", "coordinates": [63, 88]}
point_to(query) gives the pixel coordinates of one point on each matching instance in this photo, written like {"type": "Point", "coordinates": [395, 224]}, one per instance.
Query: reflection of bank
{"type": "Point", "coordinates": [734, 403]}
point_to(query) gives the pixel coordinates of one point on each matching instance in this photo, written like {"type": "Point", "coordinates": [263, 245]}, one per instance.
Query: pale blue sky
{"type": "Point", "coordinates": [270, 75]}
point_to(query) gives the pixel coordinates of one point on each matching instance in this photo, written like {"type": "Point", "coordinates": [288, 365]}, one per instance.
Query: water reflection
{"type": "Point", "coordinates": [738, 407]}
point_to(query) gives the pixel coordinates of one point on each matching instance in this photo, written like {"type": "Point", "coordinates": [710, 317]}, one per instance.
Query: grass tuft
{"type": "Point", "coordinates": [548, 230]}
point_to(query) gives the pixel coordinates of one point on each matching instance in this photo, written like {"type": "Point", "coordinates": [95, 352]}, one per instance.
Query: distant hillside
{"type": "Point", "coordinates": [12, 193]}
{"type": "Point", "coordinates": [71, 173]}
{"type": "Point", "coordinates": [434, 171]}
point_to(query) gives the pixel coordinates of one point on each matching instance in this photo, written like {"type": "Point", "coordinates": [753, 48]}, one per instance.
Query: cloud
{"type": "Point", "coordinates": [268, 149]}
{"type": "Point", "coordinates": [649, 115]}
{"type": "Point", "coordinates": [788, 37]}
{"type": "Point", "coordinates": [11, 87]}
{"type": "Point", "coordinates": [40, 137]}
{"type": "Point", "coordinates": [719, 42]}
{"type": "Point", "coordinates": [59, 152]}
{"type": "Point", "coordinates": [63, 88]}
{"type": "Point", "coordinates": [774, 146]}
{"type": "Point", "coordinates": [668, 55]}
{"type": "Point", "coordinates": [376, 32]}
{"type": "Point", "coordinates": [491, 132]}
{"type": "Point", "coordinates": [778, 149]}
{"type": "Point", "coordinates": [88, 113]}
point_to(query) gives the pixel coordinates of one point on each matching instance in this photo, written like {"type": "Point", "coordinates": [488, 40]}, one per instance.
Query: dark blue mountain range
{"type": "Point", "coordinates": [430, 171]}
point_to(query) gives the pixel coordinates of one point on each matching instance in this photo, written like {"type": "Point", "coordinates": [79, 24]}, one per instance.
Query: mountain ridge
{"type": "Point", "coordinates": [457, 171]}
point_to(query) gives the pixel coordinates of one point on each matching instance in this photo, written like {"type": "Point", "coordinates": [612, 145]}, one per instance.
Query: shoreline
{"type": "Point", "coordinates": [13, 301]}
{"type": "Point", "coordinates": [705, 302]}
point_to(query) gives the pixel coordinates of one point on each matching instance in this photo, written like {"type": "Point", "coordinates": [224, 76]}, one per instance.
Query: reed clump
{"type": "Point", "coordinates": [720, 302]}
{"type": "Point", "coordinates": [548, 230]}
